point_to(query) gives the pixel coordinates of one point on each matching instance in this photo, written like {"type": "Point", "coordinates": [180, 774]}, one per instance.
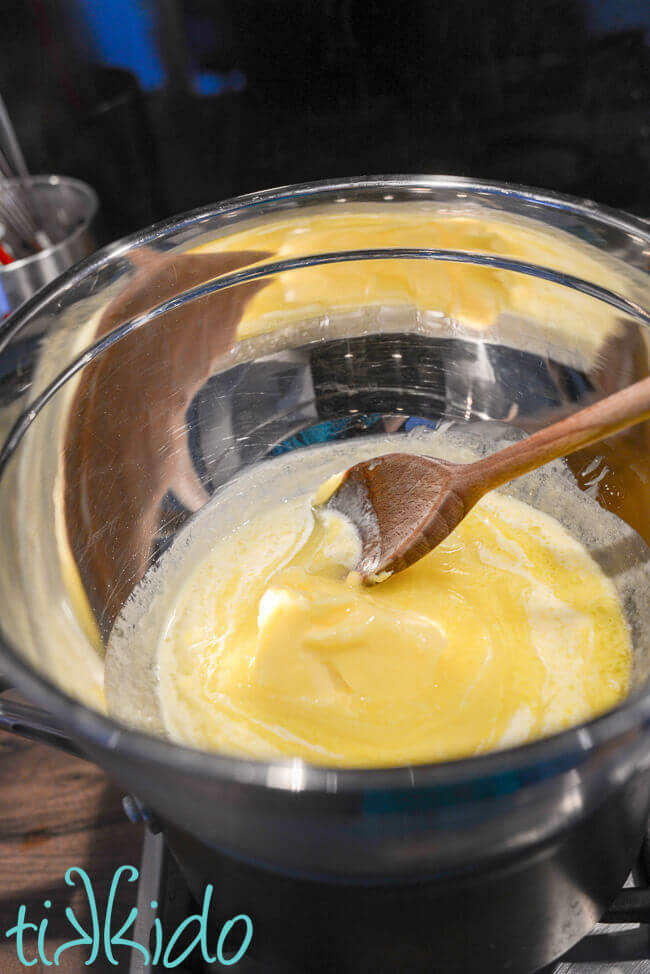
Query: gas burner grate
{"type": "Point", "coordinates": [620, 944]}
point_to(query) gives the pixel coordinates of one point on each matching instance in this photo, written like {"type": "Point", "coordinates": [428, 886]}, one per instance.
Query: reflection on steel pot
{"type": "Point", "coordinates": [188, 352]}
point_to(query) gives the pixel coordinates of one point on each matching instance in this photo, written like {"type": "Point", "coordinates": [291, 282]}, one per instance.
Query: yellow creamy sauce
{"type": "Point", "coordinates": [506, 632]}
{"type": "Point", "coordinates": [471, 294]}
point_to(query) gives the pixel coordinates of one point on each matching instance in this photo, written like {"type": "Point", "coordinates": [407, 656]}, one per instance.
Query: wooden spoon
{"type": "Point", "coordinates": [404, 505]}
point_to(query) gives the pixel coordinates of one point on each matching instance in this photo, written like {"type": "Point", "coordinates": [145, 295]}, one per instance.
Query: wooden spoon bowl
{"type": "Point", "coordinates": [404, 505]}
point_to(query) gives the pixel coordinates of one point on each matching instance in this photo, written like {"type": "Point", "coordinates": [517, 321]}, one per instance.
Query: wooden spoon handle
{"type": "Point", "coordinates": [609, 415]}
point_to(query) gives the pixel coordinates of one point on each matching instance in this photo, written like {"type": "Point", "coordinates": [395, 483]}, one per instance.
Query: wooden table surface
{"type": "Point", "coordinates": [57, 812]}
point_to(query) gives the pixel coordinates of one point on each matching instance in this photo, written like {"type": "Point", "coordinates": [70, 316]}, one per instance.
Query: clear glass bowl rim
{"type": "Point", "coordinates": [531, 761]}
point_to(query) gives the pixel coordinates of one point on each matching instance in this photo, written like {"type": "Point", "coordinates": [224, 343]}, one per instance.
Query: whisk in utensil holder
{"type": "Point", "coordinates": [67, 209]}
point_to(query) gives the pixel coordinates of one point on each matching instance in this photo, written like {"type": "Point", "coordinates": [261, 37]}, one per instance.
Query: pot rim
{"type": "Point", "coordinates": [530, 762]}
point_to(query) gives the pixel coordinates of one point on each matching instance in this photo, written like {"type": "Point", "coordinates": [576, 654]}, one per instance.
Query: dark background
{"type": "Point", "coordinates": [163, 105]}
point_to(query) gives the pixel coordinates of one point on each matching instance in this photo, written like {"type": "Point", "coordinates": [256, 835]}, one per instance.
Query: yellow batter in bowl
{"type": "Point", "coordinates": [506, 632]}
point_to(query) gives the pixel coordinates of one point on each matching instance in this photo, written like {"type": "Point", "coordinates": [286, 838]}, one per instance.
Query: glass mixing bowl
{"type": "Point", "coordinates": [169, 362]}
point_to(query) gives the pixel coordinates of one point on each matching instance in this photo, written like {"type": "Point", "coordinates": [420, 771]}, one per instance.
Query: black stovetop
{"type": "Point", "coordinates": [618, 945]}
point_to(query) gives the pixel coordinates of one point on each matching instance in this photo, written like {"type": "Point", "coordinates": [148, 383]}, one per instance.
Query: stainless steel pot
{"type": "Point", "coordinates": [67, 209]}
{"type": "Point", "coordinates": [174, 359]}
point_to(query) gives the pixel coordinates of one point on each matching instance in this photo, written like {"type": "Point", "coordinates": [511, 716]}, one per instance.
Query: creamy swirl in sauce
{"type": "Point", "coordinates": [506, 632]}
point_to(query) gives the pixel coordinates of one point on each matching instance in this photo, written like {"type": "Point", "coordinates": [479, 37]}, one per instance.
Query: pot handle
{"type": "Point", "coordinates": [34, 724]}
